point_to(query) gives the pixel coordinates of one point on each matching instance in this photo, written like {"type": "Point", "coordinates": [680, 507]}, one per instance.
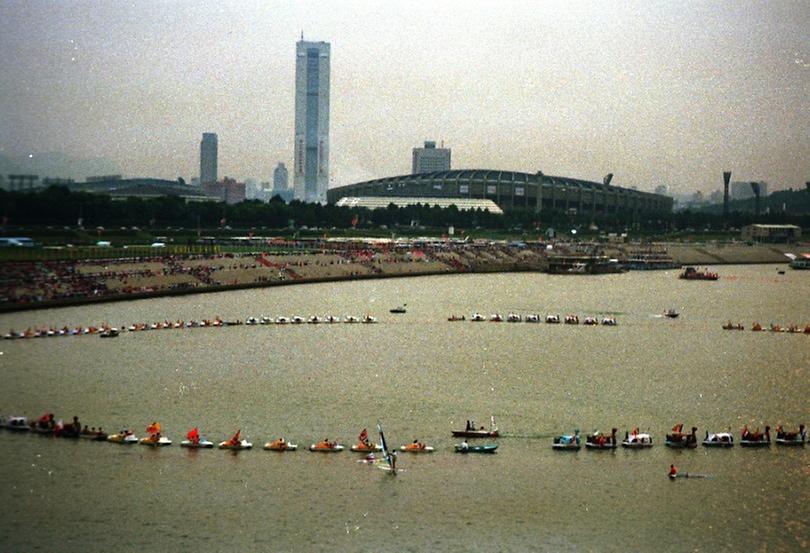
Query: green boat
{"type": "Point", "coordinates": [485, 448]}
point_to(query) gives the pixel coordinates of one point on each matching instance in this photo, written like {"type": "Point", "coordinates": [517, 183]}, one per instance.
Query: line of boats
{"type": "Point", "coordinates": [571, 319]}
{"type": "Point", "coordinates": [106, 331]}
{"type": "Point", "coordinates": [679, 439]}
{"type": "Point", "coordinates": [756, 327]}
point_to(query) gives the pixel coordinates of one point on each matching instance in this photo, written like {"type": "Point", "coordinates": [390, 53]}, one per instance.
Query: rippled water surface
{"type": "Point", "coordinates": [421, 376]}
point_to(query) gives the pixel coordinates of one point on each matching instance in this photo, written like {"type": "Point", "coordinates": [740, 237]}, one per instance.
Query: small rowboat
{"type": "Point", "coordinates": [243, 444]}
{"type": "Point", "coordinates": [275, 446]}
{"type": "Point", "coordinates": [485, 448]}
{"type": "Point", "coordinates": [332, 448]}
{"type": "Point", "coordinates": [202, 444]}
{"type": "Point", "coordinates": [123, 438]}
{"type": "Point", "coordinates": [416, 448]}
{"type": "Point", "coordinates": [360, 447]}
{"type": "Point", "coordinates": [159, 442]}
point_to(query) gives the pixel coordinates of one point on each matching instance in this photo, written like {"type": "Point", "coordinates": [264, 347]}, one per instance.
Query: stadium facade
{"type": "Point", "coordinates": [510, 190]}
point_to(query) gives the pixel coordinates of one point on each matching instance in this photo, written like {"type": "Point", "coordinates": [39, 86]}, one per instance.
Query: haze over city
{"type": "Point", "coordinates": [655, 93]}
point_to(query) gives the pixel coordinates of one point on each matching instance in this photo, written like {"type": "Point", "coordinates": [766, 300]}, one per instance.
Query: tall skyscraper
{"type": "Point", "coordinates": [311, 171]}
{"type": "Point", "coordinates": [280, 177]}
{"type": "Point", "coordinates": [208, 158]}
{"type": "Point", "coordinates": [430, 158]}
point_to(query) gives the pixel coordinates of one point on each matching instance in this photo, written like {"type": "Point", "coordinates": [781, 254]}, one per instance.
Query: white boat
{"type": "Point", "coordinates": [243, 444]}
{"type": "Point", "coordinates": [315, 320]}
{"type": "Point", "coordinates": [362, 448]}
{"type": "Point", "coordinates": [351, 319]}
{"type": "Point", "coordinates": [124, 437]}
{"type": "Point", "coordinates": [331, 319]}
{"type": "Point", "coordinates": [572, 319]}
{"type": "Point", "coordinates": [718, 439]}
{"type": "Point", "coordinates": [368, 319]}
{"type": "Point", "coordinates": [791, 438]}
{"type": "Point", "coordinates": [296, 320]}
{"type": "Point", "coordinates": [162, 441]}
{"type": "Point", "coordinates": [608, 321]}
{"type": "Point", "coordinates": [637, 440]}
{"type": "Point", "coordinates": [19, 424]}
{"type": "Point", "coordinates": [513, 318]}
{"type": "Point", "coordinates": [251, 321]}
{"type": "Point", "coordinates": [332, 448]}
{"type": "Point", "coordinates": [477, 317]}
{"type": "Point", "coordinates": [553, 319]}
{"type": "Point", "coordinates": [495, 318]}
{"type": "Point", "coordinates": [533, 318]}
{"type": "Point", "coordinates": [590, 321]}
{"type": "Point", "coordinates": [264, 320]}
{"type": "Point", "coordinates": [282, 320]}
{"type": "Point", "coordinates": [202, 444]}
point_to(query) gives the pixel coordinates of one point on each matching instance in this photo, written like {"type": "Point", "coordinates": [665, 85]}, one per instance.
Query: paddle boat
{"type": "Point", "coordinates": [416, 447]}
{"type": "Point", "coordinates": [567, 442]}
{"type": "Point", "coordinates": [553, 319]}
{"type": "Point", "coordinates": [282, 320]}
{"type": "Point", "coordinates": [731, 326]}
{"type": "Point", "coordinates": [477, 317]}
{"type": "Point", "coordinates": [314, 319]}
{"type": "Point", "coordinates": [251, 321]}
{"type": "Point", "coordinates": [109, 333]}
{"type": "Point", "coordinates": [533, 318]}
{"type": "Point", "coordinates": [572, 319]}
{"type": "Point", "coordinates": [718, 439]}
{"type": "Point", "coordinates": [297, 320]}
{"type": "Point", "coordinates": [195, 441]}
{"type": "Point", "coordinates": [351, 319]}
{"type": "Point", "coordinates": [156, 441]}
{"type": "Point", "coordinates": [755, 439]}
{"type": "Point", "coordinates": [495, 318]}
{"type": "Point", "coordinates": [513, 318]}
{"type": "Point", "coordinates": [637, 440]}
{"type": "Point", "coordinates": [325, 446]}
{"type": "Point", "coordinates": [332, 319]}
{"type": "Point", "coordinates": [756, 327]}
{"type": "Point", "coordinates": [368, 319]}
{"type": "Point", "coordinates": [398, 309]}
{"type": "Point", "coordinates": [690, 273]}
{"type": "Point", "coordinates": [280, 445]}
{"type": "Point", "coordinates": [236, 443]}
{"type": "Point", "coordinates": [671, 313]}
{"type": "Point", "coordinates": [608, 321]}
{"type": "Point", "coordinates": [679, 439]}
{"type": "Point", "coordinates": [93, 434]}
{"type": "Point", "coordinates": [791, 438]}
{"type": "Point", "coordinates": [590, 321]}
{"type": "Point", "coordinates": [124, 437]}
{"type": "Point", "coordinates": [365, 447]}
{"type": "Point", "coordinates": [464, 447]}
{"type": "Point", "coordinates": [17, 424]}
{"type": "Point", "coordinates": [597, 440]}
{"type": "Point", "coordinates": [471, 432]}
{"type": "Point", "coordinates": [264, 320]}
{"type": "Point", "coordinates": [453, 318]}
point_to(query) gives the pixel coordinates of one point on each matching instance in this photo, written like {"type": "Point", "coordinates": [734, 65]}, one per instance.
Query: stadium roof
{"type": "Point", "coordinates": [463, 204]}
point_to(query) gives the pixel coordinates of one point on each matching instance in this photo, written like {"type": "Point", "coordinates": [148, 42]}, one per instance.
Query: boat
{"type": "Point", "coordinates": [264, 320]}
{"type": "Point", "coordinates": [297, 320]}
{"type": "Point", "coordinates": [533, 318]}
{"type": "Point", "coordinates": [201, 444]}
{"type": "Point", "coordinates": [471, 432]}
{"type": "Point", "coordinates": [251, 321]}
{"type": "Point", "coordinates": [553, 319]}
{"type": "Point", "coordinates": [399, 309]}
{"type": "Point", "coordinates": [637, 440]}
{"type": "Point", "coordinates": [156, 441]}
{"type": "Point", "coordinates": [690, 273]}
{"type": "Point", "coordinates": [678, 439]}
{"type": "Point", "coordinates": [718, 439]}
{"type": "Point", "coordinates": [236, 443]}
{"type": "Point", "coordinates": [477, 317]}
{"type": "Point", "coordinates": [597, 440]}
{"type": "Point", "coordinates": [464, 447]}
{"type": "Point", "coordinates": [572, 319]}
{"type": "Point", "coordinates": [235, 446]}
{"type": "Point", "coordinates": [93, 435]}
{"type": "Point", "coordinates": [351, 319]}
{"type": "Point", "coordinates": [513, 318]}
{"type": "Point", "coordinates": [608, 321]}
{"type": "Point", "coordinates": [495, 318]}
{"type": "Point", "coordinates": [282, 320]}
{"type": "Point", "coordinates": [791, 438]}
{"type": "Point", "coordinates": [590, 321]}
{"type": "Point", "coordinates": [732, 326]}
{"type": "Point", "coordinates": [109, 333]}
{"type": "Point", "coordinates": [452, 318]}
{"type": "Point", "coordinates": [315, 320]}
{"type": "Point", "coordinates": [567, 442]}
{"type": "Point", "coordinates": [368, 319]}
{"type": "Point", "coordinates": [332, 319]}
{"type": "Point", "coordinates": [280, 445]}
{"type": "Point", "coordinates": [416, 447]}
{"type": "Point", "coordinates": [756, 327]}
{"type": "Point", "coordinates": [755, 439]}
{"type": "Point", "coordinates": [125, 437]}
{"type": "Point", "coordinates": [17, 424]}
{"type": "Point", "coordinates": [325, 446]}
{"type": "Point", "coordinates": [363, 445]}
{"type": "Point", "coordinates": [671, 313]}
{"type": "Point", "coordinates": [800, 262]}
{"type": "Point", "coordinates": [687, 475]}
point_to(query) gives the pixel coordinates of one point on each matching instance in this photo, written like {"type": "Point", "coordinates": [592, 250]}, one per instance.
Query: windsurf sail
{"type": "Point", "coordinates": [385, 452]}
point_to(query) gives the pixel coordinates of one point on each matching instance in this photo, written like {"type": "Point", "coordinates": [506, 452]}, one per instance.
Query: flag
{"type": "Point", "coordinates": [153, 428]}
{"type": "Point", "coordinates": [363, 435]}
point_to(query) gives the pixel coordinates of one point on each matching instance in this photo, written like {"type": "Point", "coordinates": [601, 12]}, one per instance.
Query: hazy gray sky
{"type": "Point", "coordinates": [658, 93]}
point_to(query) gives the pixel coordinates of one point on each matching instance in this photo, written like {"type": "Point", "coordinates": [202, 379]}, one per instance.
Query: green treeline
{"type": "Point", "coordinates": [59, 206]}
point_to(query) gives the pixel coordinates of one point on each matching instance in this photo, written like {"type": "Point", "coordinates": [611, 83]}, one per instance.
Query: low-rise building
{"type": "Point", "coordinates": [771, 233]}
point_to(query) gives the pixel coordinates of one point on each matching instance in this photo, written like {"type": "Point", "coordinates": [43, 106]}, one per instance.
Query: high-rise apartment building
{"type": "Point", "coordinates": [280, 178]}
{"type": "Point", "coordinates": [208, 158]}
{"type": "Point", "coordinates": [430, 158]}
{"type": "Point", "coordinates": [311, 170]}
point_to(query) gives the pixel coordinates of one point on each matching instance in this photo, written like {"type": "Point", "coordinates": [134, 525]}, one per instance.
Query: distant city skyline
{"type": "Point", "coordinates": [658, 94]}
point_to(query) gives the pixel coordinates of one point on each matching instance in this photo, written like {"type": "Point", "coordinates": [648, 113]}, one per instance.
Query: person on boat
{"type": "Point", "coordinates": [467, 429]}
{"type": "Point", "coordinates": [465, 446]}
{"type": "Point", "coordinates": [673, 471]}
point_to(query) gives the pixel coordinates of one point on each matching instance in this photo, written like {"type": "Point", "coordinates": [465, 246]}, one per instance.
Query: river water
{"type": "Point", "coordinates": [421, 376]}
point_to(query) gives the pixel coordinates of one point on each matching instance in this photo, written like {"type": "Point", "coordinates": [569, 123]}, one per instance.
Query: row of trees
{"type": "Point", "coordinates": [58, 206]}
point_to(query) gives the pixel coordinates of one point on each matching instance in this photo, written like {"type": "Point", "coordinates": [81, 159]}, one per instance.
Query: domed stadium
{"type": "Point", "coordinates": [510, 190]}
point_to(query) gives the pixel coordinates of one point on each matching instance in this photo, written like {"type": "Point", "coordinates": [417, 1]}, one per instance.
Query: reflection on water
{"type": "Point", "coordinates": [421, 375]}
